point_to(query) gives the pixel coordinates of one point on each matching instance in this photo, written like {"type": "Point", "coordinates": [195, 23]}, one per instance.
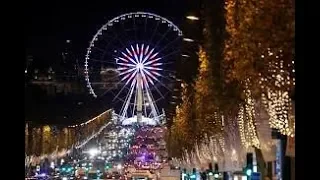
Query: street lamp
{"type": "Point", "coordinates": [188, 40]}
{"type": "Point", "coordinates": [192, 18]}
{"type": "Point", "coordinates": [119, 166]}
{"type": "Point", "coordinates": [93, 152]}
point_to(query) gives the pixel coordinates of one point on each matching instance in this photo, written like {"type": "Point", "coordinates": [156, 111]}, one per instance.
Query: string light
{"type": "Point", "coordinates": [276, 85]}
{"type": "Point", "coordinates": [91, 120]}
{"type": "Point", "coordinates": [211, 151]}
{"type": "Point", "coordinates": [246, 121]}
{"type": "Point", "coordinates": [241, 126]}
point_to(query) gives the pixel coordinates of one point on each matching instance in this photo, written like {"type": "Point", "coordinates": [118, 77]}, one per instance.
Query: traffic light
{"type": "Point", "coordinates": [210, 167]}
{"type": "Point", "coordinates": [184, 174]}
{"type": "Point", "coordinates": [250, 160]}
{"type": "Point", "coordinates": [249, 168]}
{"type": "Point", "coordinates": [213, 172]}
{"type": "Point", "coordinates": [248, 171]}
{"type": "Point", "coordinates": [108, 165]}
{"type": "Point", "coordinates": [216, 171]}
{"type": "Point", "coordinates": [194, 174]}
{"type": "Point", "coordinates": [216, 167]}
{"type": "Point", "coordinates": [216, 175]}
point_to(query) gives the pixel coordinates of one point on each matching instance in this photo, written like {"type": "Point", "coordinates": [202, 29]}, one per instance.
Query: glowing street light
{"type": "Point", "coordinates": [188, 40]}
{"type": "Point", "coordinates": [192, 18]}
{"type": "Point", "coordinates": [93, 152]}
{"type": "Point", "coordinates": [52, 165]}
{"type": "Point", "coordinates": [216, 175]}
{"type": "Point", "coordinates": [119, 166]}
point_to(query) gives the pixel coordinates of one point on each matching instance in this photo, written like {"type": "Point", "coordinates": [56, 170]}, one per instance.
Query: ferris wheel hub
{"type": "Point", "coordinates": [140, 66]}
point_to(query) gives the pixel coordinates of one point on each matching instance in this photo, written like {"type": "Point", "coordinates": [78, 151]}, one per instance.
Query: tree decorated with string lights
{"type": "Point", "coordinates": [181, 136]}
{"type": "Point", "coordinates": [260, 48]}
{"type": "Point", "coordinates": [207, 116]}
{"type": "Point", "coordinates": [254, 64]}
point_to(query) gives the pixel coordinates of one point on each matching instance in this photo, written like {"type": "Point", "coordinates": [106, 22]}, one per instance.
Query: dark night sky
{"type": "Point", "coordinates": [49, 25]}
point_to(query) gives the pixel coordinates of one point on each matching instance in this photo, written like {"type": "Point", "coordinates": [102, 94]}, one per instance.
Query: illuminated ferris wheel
{"type": "Point", "coordinates": [133, 57]}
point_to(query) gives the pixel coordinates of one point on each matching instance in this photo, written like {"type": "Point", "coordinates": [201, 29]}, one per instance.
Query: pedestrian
{"type": "Point", "coordinates": [203, 176]}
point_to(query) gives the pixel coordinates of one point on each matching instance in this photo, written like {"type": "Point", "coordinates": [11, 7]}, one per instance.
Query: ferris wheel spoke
{"type": "Point", "coordinates": [159, 92]}
{"type": "Point", "coordinates": [147, 56]}
{"type": "Point", "coordinates": [155, 73]}
{"type": "Point", "coordinates": [123, 87]}
{"type": "Point", "coordinates": [156, 79]}
{"type": "Point", "coordinates": [118, 38]}
{"type": "Point", "coordinates": [127, 71]}
{"type": "Point", "coordinates": [163, 36]}
{"type": "Point", "coordinates": [170, 54]}
{"type": "Point", "coordinates": [167, 63]}
{"type": "Point", "coordinates": [154, 32]}
{"type": "Point", "coordinates": [148, 79]}
{"type": "Point", "coordinates": [124, 31]}
{"type": "Point", "coordinates": [131, 77]}
{"type": "Point", "coordinates": [119, 98]}
{"type": "Point", "coordinates": [128, 58]}
{"type": "Point", "coordinates": [134, 27]}
{"type": "Point", "coordinates": [153, 68]}
{"type": "Point", "coordinates": [167, 78]}
{"type": "Point", "coordinates": [149, 74]}
{"type": "Point", "coordinates": [108, 90]}
{"type": "Point", "coordinates": [152, 61]}
{"type": "Point", "coordinates": [126, 64]}
{"type": "Point", "coordinates": [134, 52]}
{"type": "Point", "coordinates": [169, 44]}
{"type": "Point", "coordinates": [141, 53]}
{"type": "Point", "coordinates": [145, 25]}
{"type": "Point", "coordinates": [109, 43]}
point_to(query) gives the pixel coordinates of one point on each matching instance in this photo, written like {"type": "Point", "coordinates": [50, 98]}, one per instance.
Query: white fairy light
{"type": "Point", "coordinates": [275, 97]}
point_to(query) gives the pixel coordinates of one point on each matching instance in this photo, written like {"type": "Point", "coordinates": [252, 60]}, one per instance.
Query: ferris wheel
{"type": "Point", "coordinates": [133, 57]}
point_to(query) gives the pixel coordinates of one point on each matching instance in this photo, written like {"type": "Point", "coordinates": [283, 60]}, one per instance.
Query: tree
{"type": "Point", "coordinates": [207, 119]}
{"type": "Point", "coordinates": [46, 140]}
{"type": "Point", "coordinates": [260, 47]}
{"type": "Point", "coordinates": [26, 138]}
{"type": "Point", "coordinates": [181, 132]}
{"type": "Point", "coordinates": [257, 30]}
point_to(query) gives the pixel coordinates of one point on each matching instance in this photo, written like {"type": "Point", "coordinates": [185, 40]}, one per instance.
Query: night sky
{"type": "Point", "coordinates": [49, 25]}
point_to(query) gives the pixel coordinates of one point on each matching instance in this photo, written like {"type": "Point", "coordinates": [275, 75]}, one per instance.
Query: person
{"type": "Point", "coordinates": [203, 176]}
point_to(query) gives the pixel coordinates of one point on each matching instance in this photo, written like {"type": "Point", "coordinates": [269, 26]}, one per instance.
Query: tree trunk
{"type": "Point", "coordinates": [261, 163]}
